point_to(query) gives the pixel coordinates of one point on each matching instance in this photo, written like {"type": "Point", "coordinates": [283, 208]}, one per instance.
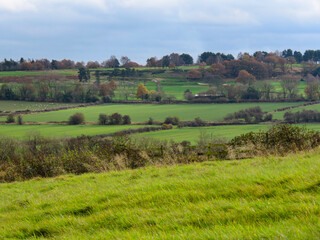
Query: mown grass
{"type": "Point", "coordinates": [273, 198]}
{"type": "Point", "coordinates": [13, 106]}
{"type": "Point", "coordinates": [142, 112]}
{"type": "Point", "coordinates": [25, 131]}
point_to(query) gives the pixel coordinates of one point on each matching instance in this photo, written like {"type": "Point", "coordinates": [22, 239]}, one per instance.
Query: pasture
{"type": "Point", "coordinates": [279, 115]}
{"type": "Point", "coordinates": [142, 112]}
{"type": "Point", "coordinates": [192, 134]}
{"type": "Point", "coordinates": [12, 106]}
{"type": "Point", "coordinates": [26, 131]}
{"type": "Point", "coordinates": [273, 198]}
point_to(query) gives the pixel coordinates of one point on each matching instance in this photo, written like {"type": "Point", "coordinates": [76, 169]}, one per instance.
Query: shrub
{"type": "Point", "coordinates": [126, 120]}
{"type": "Point", "coordinates": [172, 120]}
{"type": "Point", "coordinates": [19, 120]}
{"type": "Point", "coordinates": [103, 119]}
{"type": "Point", "coordinates": [10, 118]}
{"type": "Point", "coordinates": [250, 115]}
{"type": "Point", "coordinates": [115, 119]}
{"type": "Point", "coordinates": [279, 139]}
{"type": "Point", "coordinates": [76, 119]}
{"type": "Point", "coordinates": [150, 121]}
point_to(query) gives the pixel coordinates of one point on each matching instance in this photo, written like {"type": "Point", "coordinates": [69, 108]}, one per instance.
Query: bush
{"type": "Point", "coordinates": [19, 119]}
{"type": "Point", "coordinates": [172, 120]}
{"type": "Point", "coordinates": [103, 119]}
{"type": "Point", "coordinates": [126, 120]}
{"type": "Point", "coordinates": [150, 121]}
{"type": "Point", "coordinates": [250, 115]}
{"type": "Point", "coordinates": [76, 119]}
{"type": "Point", "coordinates": [10, 118]}
{"type": "Point", "coordinates": [115, 119]}
{"type": "Point", "coordinates": [280, 139]}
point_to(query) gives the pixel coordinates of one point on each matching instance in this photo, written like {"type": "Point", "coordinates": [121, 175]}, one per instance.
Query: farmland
{"type": "Point", "coordinates": [26, 131]}
{"type": "Point", "coordinates": [142, 112]}
{"type": "Point", "coordinates": [211, 133]}
{"type": "Point", "coordinates": [271, 198]}
{"type": "Point", "coordinates": [12, 106]}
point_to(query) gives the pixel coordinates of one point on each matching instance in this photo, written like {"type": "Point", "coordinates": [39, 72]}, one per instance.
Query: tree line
{"type": "Point", "coordinates": [172, 60]}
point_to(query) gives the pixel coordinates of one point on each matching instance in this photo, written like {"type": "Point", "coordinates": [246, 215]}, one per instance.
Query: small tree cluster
{"type": "Point", "coordinates": [305, 116]}
{"type": "Point", "coordinates": [76, 119]}
{"type": "Point", "coordinates": [114, 119]}
{"type": "Point", "coordinates": [172, 120]}
{"type": "Point", "coordinates": [250, 115]}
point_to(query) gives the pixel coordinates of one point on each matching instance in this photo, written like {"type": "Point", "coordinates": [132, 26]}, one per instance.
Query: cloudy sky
{"type": "Point", "coordinates": [95, 29]}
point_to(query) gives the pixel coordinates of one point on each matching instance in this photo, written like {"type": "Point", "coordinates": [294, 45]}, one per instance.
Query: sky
{"type": "Point", "coordinates": [86, 30]}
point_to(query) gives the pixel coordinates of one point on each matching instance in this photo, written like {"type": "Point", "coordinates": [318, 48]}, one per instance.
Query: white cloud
{"type": "Point", "coordinates": [201, 11]}
{"type": "Point", "coordinates": [17, 5]}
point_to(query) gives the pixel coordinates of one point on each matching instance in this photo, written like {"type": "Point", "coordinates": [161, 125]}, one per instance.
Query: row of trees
{"type": "Point", "coordinates": [58, 92]}
{"type": "Point", "coordinates": [173, 60]}
{"type": "Point", "coordinates": [302, 117]}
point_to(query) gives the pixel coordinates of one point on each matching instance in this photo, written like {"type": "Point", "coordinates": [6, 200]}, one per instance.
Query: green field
{"type": "Point", "coordinates": [142, 112]}
{"type": "Point", "coordinates": [228, 132]}
{"type": "Point", "coordinates": [66, 72]}
{"type": "Point", "coordinates": [279, 115]}
{"type": "Point", "coordinates": [13, 106]}
{"type": "Point", "coordinates": [24, 131]}
{"type": "Point", "coordinates": [273, 198]}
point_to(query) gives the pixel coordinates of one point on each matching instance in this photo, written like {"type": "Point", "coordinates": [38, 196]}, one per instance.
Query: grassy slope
{"type": "Point", "coordinates": [275, 198]}
{"type": "Point", "coordinates": [24, 131]}
{"type": "Point", "coordinates": [142, 112]}
{"type": "Point", "coordinates": [33, 106]}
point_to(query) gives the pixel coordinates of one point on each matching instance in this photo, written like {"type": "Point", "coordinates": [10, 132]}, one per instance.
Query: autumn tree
{"type": "Point", "coordinates": [142, 92]}
{"type": "Point", "coordinates": [44, 90]}
{"type": "Point", "coordinates": [312, 90]}
{"type": "Point", "coordinates": [107, 89]}
{"type": "Point", "coordinates": [289, 87]}
{"type": "Point", "coordinates": [265, 89]}
{"type": "Point", "coordinates": [125, 61]}
{"type": "Point", "coordinates": [194, 74]}
{"type": "Point", "coordinates": [245, 78]}
{"type": "Point", "coordinates": [27, 92]}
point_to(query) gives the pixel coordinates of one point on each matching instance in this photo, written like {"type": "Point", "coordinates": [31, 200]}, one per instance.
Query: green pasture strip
{"type": "Point", "coordinates": [273, 198]}
{"type": "Point", "coordinates": [142, 112]}
{"type": "Point", "coordinates": [67, 72]}
{"type": "Point", "coordinates": [25, 131]}
{"type": "Point", "coordinates": [192, 134]}
{"type": "Point", "coordinates": [13, 106]}
{"type": "Point", "coordinates": [279, 115]}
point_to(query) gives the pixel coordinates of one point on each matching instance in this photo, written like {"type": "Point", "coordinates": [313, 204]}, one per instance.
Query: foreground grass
{"type": "Point", "coordinates": [142, 112]}
{"type": "Point", "coordinates": [275, 198]}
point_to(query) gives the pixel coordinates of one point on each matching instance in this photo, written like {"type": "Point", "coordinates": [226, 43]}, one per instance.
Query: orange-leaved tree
{"type": "Point", "coordinates": [244, 77]}
{"type": "Point", "coordinates": [142, 91]}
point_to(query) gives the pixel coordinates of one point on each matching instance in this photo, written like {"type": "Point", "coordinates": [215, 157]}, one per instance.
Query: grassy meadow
{"type": "Point", "coordinates": [142, 112]}
{"type": "Point", "coordinates": [192, 134]}
{"type": "Point", "coordinates": [25, 131]}
{"type": "Point", "coordinates": [273, 198]}
{"type": "Point", "coordinates": [279, 115]}
{"type": "Point", "coordinates": [12, 106]}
